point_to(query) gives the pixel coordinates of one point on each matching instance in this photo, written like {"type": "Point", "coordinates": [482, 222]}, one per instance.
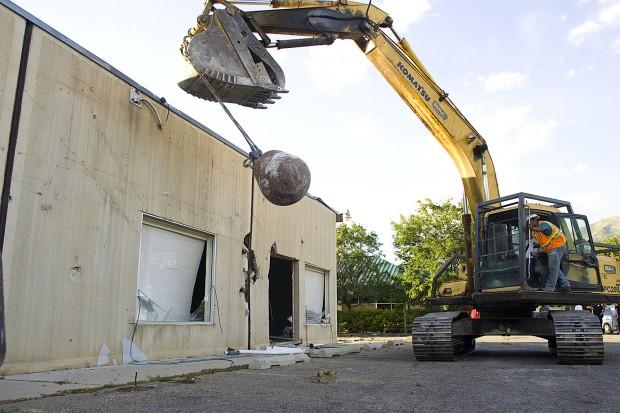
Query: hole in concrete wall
{"type": "Point", "coordinates": [175, 273]}
{"type": "Point", "coordinates": [280, 299]}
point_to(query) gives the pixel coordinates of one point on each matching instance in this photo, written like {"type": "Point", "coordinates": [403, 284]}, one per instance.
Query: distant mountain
{"type": "Point", "coordinates": [605, 228]}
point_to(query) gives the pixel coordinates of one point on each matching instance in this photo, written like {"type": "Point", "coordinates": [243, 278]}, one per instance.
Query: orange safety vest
{"type": "Point", "coordinates": [550, 242]}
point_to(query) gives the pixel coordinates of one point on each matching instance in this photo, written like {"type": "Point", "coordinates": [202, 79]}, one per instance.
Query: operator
{"type": "Point", "coordinates": [536, 268]}
{"type": "Point", "coordinates": [536, 264]}
{"type": "Point", "coordinates": [553, 242]}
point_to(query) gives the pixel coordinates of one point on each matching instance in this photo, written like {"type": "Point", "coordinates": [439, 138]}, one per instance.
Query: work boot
{"type": "Point", "coordinates": [565, 289]}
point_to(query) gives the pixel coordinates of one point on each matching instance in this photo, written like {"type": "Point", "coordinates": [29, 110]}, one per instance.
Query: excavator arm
{"type": "Point", "coordinates": [235, 66]}
{"type": "Point", "coordinates": [225, 54]}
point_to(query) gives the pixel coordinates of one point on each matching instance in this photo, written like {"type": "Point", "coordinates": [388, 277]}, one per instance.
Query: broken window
{"type": "Point", "coordinates": [317, 296]}
{"type": "Point", "coordinates": [175, 273]}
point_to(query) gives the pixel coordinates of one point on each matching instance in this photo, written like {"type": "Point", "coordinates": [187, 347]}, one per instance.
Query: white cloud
{"type": "Point", "coordinates": [615, 46]}
{"type": "Point", "coordinates": [336, 67]}
{"type": "Point", "coordinates": [597, 204]}
{"type": "Point", "coordinates": [518, 132]}
{"type": "Point", "coordinates": [580, 167]}
{"type": "Point", "coordinates": [572, 72]}
{"type": "Point", "coordinates": [610, 14]}
{"type": "Point", "coordinates": [504, 81]}
{"type": "Point", "coordinates": [565, 171]}
{"type": "Point", "coordinates": [358, 131]}
{"type": "Point", "coordinates": [405, 13]}
{"type": "Point", "coordinates": [513, 133]}
{"type": "Point", "coordinates": [579, 33]}
{"type": "Point", "coordinates": [563, 18]}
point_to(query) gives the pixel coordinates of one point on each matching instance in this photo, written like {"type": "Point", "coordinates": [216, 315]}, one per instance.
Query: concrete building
{"type": "Point", "coordinates": [102, 206]}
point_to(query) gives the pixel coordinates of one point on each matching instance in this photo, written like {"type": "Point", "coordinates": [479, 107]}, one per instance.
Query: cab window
{"type": "Point", "coordinates": [499, 261]}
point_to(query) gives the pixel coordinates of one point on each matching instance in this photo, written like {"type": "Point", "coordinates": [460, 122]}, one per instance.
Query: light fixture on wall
{"type": "Point", "coordinates": [137, 98]}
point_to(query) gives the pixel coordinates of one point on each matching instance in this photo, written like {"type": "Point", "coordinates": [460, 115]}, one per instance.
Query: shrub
{"type": "Point", "coordinates": [377, 321]}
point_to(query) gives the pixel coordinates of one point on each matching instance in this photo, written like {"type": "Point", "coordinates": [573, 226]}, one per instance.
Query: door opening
{"type": "Point", "coordinates": [281, 300]}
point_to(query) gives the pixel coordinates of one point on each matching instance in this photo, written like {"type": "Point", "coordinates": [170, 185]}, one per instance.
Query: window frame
{"type": "Point", "coordinates": [500, 228]}
{"type": "Point", "coordinates": [211, 249]}
{"type": "Point", "coordinates": [575, 257]}
{"type": "Point", "coordinates": [326, 295]}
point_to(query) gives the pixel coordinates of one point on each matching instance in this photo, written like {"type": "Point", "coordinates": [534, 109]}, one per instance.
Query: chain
{"type": "Point", "coordinates": [255, 152]}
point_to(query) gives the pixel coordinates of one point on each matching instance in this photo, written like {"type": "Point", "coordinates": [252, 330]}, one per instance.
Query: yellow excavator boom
{"type": "Point", "coordinates": [253, 78]}
{"type": "Point", "coordinates": [497, 276]}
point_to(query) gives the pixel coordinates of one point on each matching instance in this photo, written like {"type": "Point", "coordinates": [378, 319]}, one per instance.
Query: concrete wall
{"type": "Point", "coordinates": [88, 165]}
{"type": "Point", "coordinates": [11, 36]}
{"type": "Point", "coordinates": [297, 231]}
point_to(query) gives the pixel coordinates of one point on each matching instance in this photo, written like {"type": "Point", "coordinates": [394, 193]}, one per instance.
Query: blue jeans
{"type": "Point", "coordinates": [555, 272]}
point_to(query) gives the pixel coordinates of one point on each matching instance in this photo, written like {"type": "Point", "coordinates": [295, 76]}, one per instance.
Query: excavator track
{"type": "Point", "coordinates": [433, 341]}
{"type": "Point", "coordinates": [578, 338]}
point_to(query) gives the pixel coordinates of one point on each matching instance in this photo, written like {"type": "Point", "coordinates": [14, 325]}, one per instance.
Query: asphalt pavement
{"type": "Point", "coordinates": [503, 376]}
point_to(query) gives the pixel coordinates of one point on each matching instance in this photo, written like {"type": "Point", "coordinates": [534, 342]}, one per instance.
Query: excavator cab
{"type": "Point", "coordinates": [509, 265]}
{"type": "Point", "coordinates": [509, 258]}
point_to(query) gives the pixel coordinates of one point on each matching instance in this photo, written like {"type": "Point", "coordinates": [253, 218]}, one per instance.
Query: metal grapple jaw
{"type": "Point", "coordinates": [224, 51]}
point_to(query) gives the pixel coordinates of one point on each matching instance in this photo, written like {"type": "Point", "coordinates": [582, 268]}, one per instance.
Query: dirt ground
{"type": "Point", "coordinates": [502, 375]}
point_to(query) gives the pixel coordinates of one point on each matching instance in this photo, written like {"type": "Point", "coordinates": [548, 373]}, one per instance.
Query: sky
{"type": "Point", "coordinates": [539, 80]}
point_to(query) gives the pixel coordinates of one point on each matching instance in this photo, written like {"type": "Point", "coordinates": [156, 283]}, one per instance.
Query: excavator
{"type": "Point", "coordinates": [497, 276]}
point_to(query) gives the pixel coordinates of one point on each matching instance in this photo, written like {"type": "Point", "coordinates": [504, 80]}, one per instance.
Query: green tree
{"type": "Point", "coordinates": [359, 257]}
{"type": "Point", "coordinates": [387, 288]}
{"type": "Point", "coordinates": [613, 241]}
{"type": "Point", "coordinates": [424, 241]}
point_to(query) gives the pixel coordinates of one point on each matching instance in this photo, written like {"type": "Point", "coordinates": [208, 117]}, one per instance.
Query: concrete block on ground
{"type": "Point", "coordinates": [396, 342]}
{"type": "Point", "coordinates": [301, 358]}
{"type": "Point", "coordinates": [335, 350]}
{"type": "Point", "coordinates": [373, 346]}
{"type": "Point", "coordinates": [267, 362]}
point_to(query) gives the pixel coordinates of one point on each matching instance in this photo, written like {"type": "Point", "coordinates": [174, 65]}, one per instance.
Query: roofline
{"type": "Point", "coordinates": [105, 65]}
{"type": "Point", "coordinates": [108, 67]}
{"type": "Point", "coordinates": [320, 201]}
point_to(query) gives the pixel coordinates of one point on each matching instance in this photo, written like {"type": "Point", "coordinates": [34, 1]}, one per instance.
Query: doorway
{"type": "Point", "coordinates": [281, 300]}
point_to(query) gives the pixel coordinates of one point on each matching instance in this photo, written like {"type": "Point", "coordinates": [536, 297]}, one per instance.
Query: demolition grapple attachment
{"type": "Point", "coordinates": [223, 50]}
